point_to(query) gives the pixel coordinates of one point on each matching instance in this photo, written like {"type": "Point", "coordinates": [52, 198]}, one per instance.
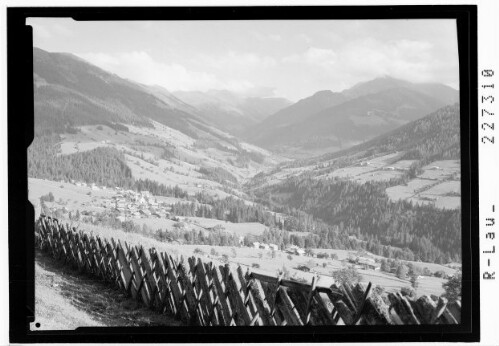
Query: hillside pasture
{"type": "Point", "coordinates": [439, 170]}
{"type": "Point", "coordinates": [378, 176]}
{"type": "Point", "coordinates": [270, 263]}
{"type": "Point", "coordinates": [407, 191]}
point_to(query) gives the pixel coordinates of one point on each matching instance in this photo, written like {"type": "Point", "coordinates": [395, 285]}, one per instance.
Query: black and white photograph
{"type": "Point", "coordinates": [227, 173]}
{"type": "Point", "coordinates": [285, 173]}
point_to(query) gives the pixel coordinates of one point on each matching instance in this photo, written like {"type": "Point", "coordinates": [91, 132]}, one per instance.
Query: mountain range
{"type": "Point", "coordinates": [71, 92]}
{"type": "Point", "coordinates": [328, 121]}
{"type": "Point", "coordinates": [231, 112]}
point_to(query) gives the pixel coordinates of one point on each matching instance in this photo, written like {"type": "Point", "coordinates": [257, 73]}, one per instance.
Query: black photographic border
{"type": "Point", "coordinates": [20, 134]}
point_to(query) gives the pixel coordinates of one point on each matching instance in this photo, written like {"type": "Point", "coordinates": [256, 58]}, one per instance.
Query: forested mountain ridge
{"type": "Point", "coordinates": [69, 92]}
{"type": "Point", "coordinates": [357, 114]}
{"type": "Point", "coordinates": [434, 137]}
{"type": "Point", "coordinates": [442, 92]}
{"type": "Point", "coordinates": [296, 112]}
{"type": "Point", "coordinates": [364, 210]}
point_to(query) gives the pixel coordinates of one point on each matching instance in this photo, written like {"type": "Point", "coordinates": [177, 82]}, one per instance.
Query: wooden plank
{"type": "Point", "coordinates": [126, 274]}
{"type": "Point", "coordinates": [344, 312]}
{"type": "Point", "coordinates": [361, 304]}
{"type": "Point", "coordinates": [402, 308]}
{"type": "Point", "coordinates": [441, 306]}
{"type": "Point", "coordinates": [243, 317]}
{"type": "Point", "coordinates": [208, 299]}
{"type": "Point", "coordinates": [221, 295]}
{"type": "Point", "coordinates": [455, 310]}
{"type": "Point", "coordinates": [324, 315]}
{"type": "Point", "coordinates": [309, 301]}
{"type": "Point", "coordinates": [176, 288]}
{"type": "Point", "coordinates": [200, 292]}
{"type": "Point", "coordinates": [261, 302]}
{"type": "Point", "coordinates": [189, 295]}
{"type": "Point", "coordinates": [248, 298]}
{"type": "Point", "coordinates": [349, 298]}
{"type": "Point", "coordinates": [448, 317]}
{"type": "Point", "coordinates": [264, 278]}
{"type": "Point", "coordinates": [137, 288]}
{"type": "Point", "coordinates": [151, 282]}
{"type": "Point", "coordinates": [167, 295]}
{"type": "Point", "coordinates": [287, 308]}
{"type": "Point", "coordinates": [423, 309]}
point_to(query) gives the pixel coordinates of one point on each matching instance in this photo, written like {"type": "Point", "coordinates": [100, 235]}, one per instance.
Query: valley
{"type": "Point", "coordinates": [368, 174]}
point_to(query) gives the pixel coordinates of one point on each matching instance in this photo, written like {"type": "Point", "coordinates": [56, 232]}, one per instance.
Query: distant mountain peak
{"type": "Point", "coordinates": [323, 93]}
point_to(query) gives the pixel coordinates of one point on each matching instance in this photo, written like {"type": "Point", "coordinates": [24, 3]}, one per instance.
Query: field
{"type": "Point", "coordinates": [72, 197]}
{"type": "Point", "coordinates": [438, 185]}
{"type": "Point", "coordinates": [77, 197]}
{"type": "Point", "coordinates": [253, 258]}
{"type": "Point", "coordinates": [143, 148]}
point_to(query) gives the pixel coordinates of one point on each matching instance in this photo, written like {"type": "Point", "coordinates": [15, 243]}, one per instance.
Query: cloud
{"type": "Point", "coordinates": [141, 67]}
{"type": "Point", "coordinates": [367, 58]}
{"type": "Point", "coordinates": [233, 60]}
{"type": "Point", "coordinates": [313, 56]}
{"type": "Point", "coordinates": [275, 37]}
{"type": "Point", "coordinates": [407, 59]}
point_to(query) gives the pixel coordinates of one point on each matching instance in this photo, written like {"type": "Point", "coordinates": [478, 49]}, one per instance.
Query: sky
{"type": "Point", "coordinates": [290, 58]}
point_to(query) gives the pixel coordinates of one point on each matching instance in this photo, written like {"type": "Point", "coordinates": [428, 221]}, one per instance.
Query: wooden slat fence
{"type": "Point", "coordinates": [208, 294]}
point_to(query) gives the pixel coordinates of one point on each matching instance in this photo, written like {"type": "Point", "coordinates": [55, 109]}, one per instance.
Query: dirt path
{"type": "Point", "coordinates": [65, 299]}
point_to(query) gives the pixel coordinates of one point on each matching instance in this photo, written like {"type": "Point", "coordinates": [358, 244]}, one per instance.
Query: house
{"type": "Point", "coordinates": [368, 263]}
{"type": "Point", "coordinates": [300, 252]}
{"type": "Point", "coordinates": [274, 247]}
{"type": "Point", "coordinates": [256, 245]}
{"type": "Point", "coordinates": [264, 246]}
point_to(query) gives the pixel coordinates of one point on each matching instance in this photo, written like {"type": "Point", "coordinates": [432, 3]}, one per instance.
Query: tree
{"type": "Point", "coordinates": [408, 291]}
{"type": "Point", "coordinates": [453, 287]}
{"type": "Point", "coordinates": [385, 266]}
{"type": "Point", "coordinates": [414, 281]}
{"type": "Point", "coordinates": [401, 272]}
{"type": "Point", "coordinates": [234, 253]}
{"type": "Point", "coordinates": [439, 274]}
{"type": "Point", "coordinates": [289, 257]}
{"type": "Point", "coordinates": [225, 258]}
{"type": "Point", "coordinates": [348, 275]}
